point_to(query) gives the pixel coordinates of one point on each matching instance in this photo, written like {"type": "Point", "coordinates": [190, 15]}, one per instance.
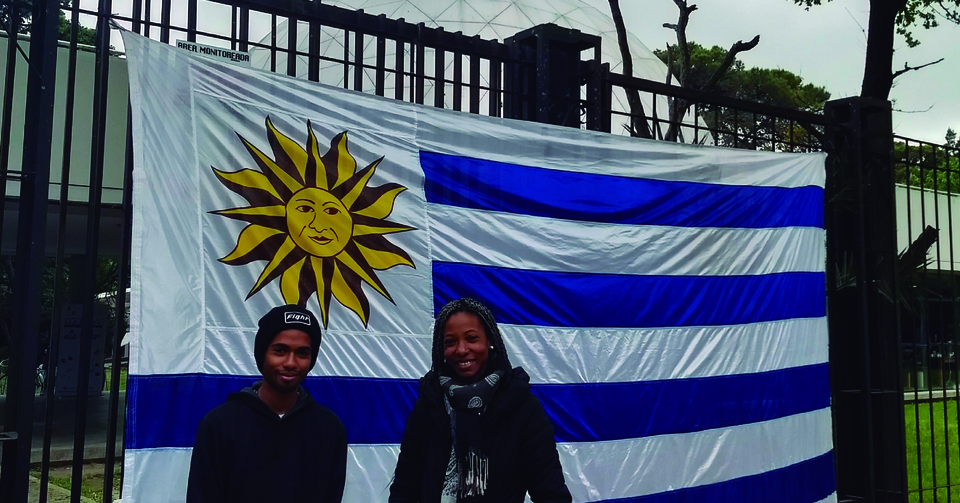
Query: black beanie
{"type": "Point", "coordinates": [285, 318]}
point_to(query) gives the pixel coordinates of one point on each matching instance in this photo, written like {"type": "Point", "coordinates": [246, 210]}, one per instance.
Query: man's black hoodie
{"type": "Point", "coordinates": [245, 452]}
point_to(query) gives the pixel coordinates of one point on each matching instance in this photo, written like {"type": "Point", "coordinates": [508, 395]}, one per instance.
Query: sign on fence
{"type": "Point", "coordinates": [68, 354]}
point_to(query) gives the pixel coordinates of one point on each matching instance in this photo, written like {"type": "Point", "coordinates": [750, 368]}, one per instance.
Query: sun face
{"type": "Point", "coordinates": [318, 222]}
{"type": "Point", "coordinates": [315, 222]}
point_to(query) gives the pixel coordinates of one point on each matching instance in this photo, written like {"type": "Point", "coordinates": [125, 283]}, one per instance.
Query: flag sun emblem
{"type": "Point", "coordinates": [315, 222]}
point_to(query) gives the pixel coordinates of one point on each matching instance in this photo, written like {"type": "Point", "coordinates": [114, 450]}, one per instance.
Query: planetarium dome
{"type": "Point", "coordinates": [490, 19]}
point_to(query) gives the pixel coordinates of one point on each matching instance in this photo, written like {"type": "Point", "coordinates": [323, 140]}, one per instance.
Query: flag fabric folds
{"type": "Point", "coordinates": [668, 301]}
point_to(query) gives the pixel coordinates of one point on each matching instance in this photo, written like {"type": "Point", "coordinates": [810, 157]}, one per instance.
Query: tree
{"type": "Point", "coordinates": [772, 86]}
{"type": "Point", "coordinates": [105, 290]}
{"type": "Point", "coordinates": [677, 107]}
{"type": "Point", "coordinates": [890, 17]}
{"type": "Point", "coordinates": [928, 167]}
{"type": "Point", "coordinates": [85, 36]}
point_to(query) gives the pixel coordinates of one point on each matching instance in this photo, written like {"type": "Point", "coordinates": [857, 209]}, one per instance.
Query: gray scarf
{"type": "Point", "coordinates": [466, 405]}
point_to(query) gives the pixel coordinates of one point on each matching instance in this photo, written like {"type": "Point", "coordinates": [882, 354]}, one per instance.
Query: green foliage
{"type": "Point", "coordinates": [85, 36]}
{"type": "Point", "coordinates": [771, 86]}
{"type": "Point", "coordinates": [105, 290]}
{"type": "Point", "coordinates": [914, 13]}
{"type": "Point", "coordinates": [928, 167]}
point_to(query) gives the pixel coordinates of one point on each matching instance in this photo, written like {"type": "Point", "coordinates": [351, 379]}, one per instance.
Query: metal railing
{"type": "Point", "coordinates": [928, 199]}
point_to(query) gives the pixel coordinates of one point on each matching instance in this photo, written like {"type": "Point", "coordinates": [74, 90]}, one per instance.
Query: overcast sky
{"type": "Point", "coordinates": [825, 46]}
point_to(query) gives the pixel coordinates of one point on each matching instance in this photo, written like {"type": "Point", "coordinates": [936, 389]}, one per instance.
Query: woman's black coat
{"type": "Point", "coordinates": [517, 437]}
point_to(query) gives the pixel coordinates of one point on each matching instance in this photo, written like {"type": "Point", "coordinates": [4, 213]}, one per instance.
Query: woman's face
{"type": "Point", "coordinates": [465, 346]}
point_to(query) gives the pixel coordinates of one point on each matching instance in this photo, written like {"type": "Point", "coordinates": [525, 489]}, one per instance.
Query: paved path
{"type": "Point", "coordinates": [61, 447]}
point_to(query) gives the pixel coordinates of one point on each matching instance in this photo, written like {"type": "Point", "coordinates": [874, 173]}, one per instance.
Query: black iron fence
{"type": "Point", "coordinates": [67, 177]}
{"type": "Point", "coordinates": [928, 197]}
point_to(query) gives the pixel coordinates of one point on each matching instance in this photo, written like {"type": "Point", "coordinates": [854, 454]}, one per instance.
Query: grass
{"type": "Point", "coordinates": [106, 379]}
{"type": "Point", "coordinates": [92, 484]}
{"type": "Point", "coordinates": [939, 448]}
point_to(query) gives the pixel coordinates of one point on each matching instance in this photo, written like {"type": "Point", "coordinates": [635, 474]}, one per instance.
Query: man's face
{"type": "Point", "coordinates": [287, 361]}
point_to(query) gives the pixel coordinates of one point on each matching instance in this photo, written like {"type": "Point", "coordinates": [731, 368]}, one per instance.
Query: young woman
{"type": "Point", "coordinates": [476, 433]}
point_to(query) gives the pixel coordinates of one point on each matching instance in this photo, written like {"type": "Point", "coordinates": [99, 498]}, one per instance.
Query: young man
{"type": "Point", "coordinates": [272, 442]}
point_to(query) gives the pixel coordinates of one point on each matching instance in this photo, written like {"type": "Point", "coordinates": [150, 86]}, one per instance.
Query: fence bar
{"type": "Point", "coordinates": [291, 46]}
{"type": "Point", "coordinates": [101, 84]}
{"type": "Point", "coordinates": [164, 21]}
{"type": "Point", "coordinates": [913, 339]}
{"type": "Point", "coordinates": [5, 122]}
{"type": "Point", "coordinates": [137, 15]}
{"type": "Point", "coordinates": [244, 44]}
{"type": "Point", "coordinates": [439, 75]}
{"type": "Point", "coordinates": [381, 75]}
{"type": "Point", "coordinates": [31, 241]}
{"type": "Point", "coordinates": [358, 61]}
{"type": "Point", "coordinates": [457, 81]}
{"type": "Point", "coordinates": [475, 82]}
{"type": "Point", "coordinates": [951, 190]}
{"type": "Point", "coordinates": [494, 92]}
{"type": "Point", "coordinates": [401, 79]}
{"type": "Point", "coordinates": [192, 20]}
{"type": "Point", "coordinates": [942, 342]}
{"type": "Point", "coordinates": [346, 59]}
{"type": "Point", "coordinates": [273, 42]}
{"type": "Point", "coordinates": [148, 11]}
{"type": "Point", "coordinates": [54, 349]}
{"type": "Point", "coordinates": [313, 50]}
{"type": "Point", "coordinates": [923, 225]}
{"type": "Point", "coordinates": [421, 69]}
{"type": "Point", "coordinates": [123, 272]}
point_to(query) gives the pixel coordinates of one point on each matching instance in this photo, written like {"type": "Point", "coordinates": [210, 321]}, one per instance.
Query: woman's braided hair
{"type": "Point", "coordinates": [482, 312]}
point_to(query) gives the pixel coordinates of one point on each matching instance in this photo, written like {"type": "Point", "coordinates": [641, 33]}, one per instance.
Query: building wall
{"type": "Point", "coordinates": [82, 131]}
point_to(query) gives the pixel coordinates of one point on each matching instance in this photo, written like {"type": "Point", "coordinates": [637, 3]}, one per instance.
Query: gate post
{"type": "Point", "coordinates": [554, 79]}
{"type": "Point", "coordinates": [863, 316]}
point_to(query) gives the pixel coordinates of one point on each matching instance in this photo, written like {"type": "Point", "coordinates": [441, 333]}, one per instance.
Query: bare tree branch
{"type": "Point", "coordinates": [737, 48]}
{"type": "Point", "coordinates": [638, 121]}
{"type": "Point", "coordinates": [681, 30]}
{"type": "Point", "coordinates": [898, 110]}
{"type": "Point", "coordinates": [949, 15]}
{"type": "Point", "coordinates": [907, 68]}
{"type": "Point", "coordinates": [678, 108]}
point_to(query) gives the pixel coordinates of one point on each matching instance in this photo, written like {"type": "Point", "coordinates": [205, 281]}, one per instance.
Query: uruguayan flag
{"type": "Point", "coordinates": [668, 301]}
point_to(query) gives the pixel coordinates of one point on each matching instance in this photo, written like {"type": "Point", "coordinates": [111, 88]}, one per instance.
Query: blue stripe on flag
{"type": "Point", "coordinates": [488, 185]}
{"type": "Point", "coordinates": [375, 410]}
{"type": "Point", "coordinates": [563, 299]}
{"type": "Point", "coordinates": [808, 481]}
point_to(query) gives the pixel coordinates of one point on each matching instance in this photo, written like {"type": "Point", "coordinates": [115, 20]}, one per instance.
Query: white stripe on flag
{"type": "Point", "coordinates": [668, 462]}
{"type": "Point", "coordinates": [563, 355]}
{"type": "Point", "coordinates": [546, 244]}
